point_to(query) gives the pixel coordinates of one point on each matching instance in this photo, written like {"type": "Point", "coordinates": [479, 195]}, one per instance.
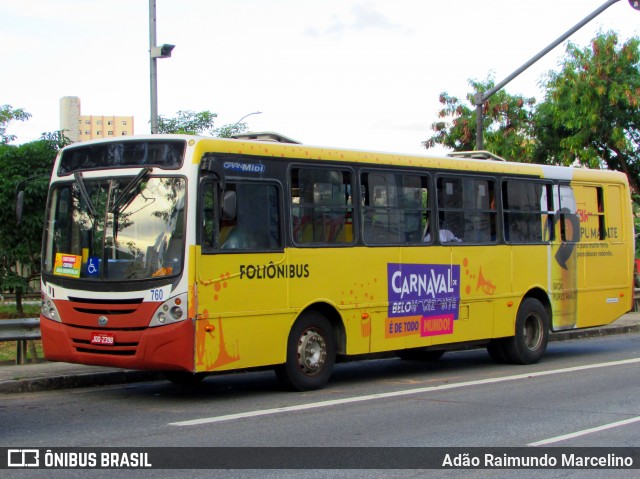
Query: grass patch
{"type": "Point", "coordinates": [31, 310]}
{"type": "Point", "coordinates": [8, 350]}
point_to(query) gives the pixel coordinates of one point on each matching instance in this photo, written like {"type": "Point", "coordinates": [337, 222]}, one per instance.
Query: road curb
{"type": "Point", "coordinates": [71, 381]}
{"type": "Point", "coordinates": [594, 333]}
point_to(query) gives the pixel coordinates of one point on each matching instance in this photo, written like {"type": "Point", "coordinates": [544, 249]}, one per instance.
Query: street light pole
{"type": "Point", "coordinates": [162, 51]}
{"type": "Point", "coordinates": [249, 114]}
{"type": "Point", "coordinates": [480, 97]}
{"type": "Point", "coordinates": [153, 72]}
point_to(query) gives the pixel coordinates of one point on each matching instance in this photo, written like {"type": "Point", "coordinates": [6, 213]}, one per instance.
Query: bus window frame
{"type": "Point", "coordinates": [217, 214]}
{"type": "Point", "coordinates": [551, 211]}
{"type": "Point", "coordinates": [495, 211]}
{"type": "Point", "coordinates": [428, 211]}
{"type": "Point", "coordinates": [354, 207]}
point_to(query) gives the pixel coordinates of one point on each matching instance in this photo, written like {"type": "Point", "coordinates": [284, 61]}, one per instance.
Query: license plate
{"type": "Point", "coordinates": [103, 339]}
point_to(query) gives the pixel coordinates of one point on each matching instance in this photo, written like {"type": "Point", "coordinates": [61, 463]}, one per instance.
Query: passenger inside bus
{"type": "Point", "coordinates": [445, 236]}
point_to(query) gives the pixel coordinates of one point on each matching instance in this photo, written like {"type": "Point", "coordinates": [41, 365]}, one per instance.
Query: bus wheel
{"type": "Point", "coordinates": [532, 334]}
{"type": "Point", "coordinates": [421, 354]}
{"type": "Point", "coordinates": [496, 349]}
{"type": "Point", "coordinates": [311, 354]}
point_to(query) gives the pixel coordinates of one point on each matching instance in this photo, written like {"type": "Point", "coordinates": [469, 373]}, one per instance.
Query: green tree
{"type": "Point", "coordinates": [188, 122]}
{"type": "Point", "coordinates": [227, 131]}
{"type": "Point", "coordinates": [27, 167]}
{"type": "Point", "coordinates": [507, 121]}
{"type": "Point", "coordinates": [590, 114]}
{"type": "Point", "coordinates": [191, 123]}
{"type": "Point", "coordinates": [7, 115]}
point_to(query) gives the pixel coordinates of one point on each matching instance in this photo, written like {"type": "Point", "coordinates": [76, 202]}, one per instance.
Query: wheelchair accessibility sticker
{"type": "Point", "coordinates": [93, 266]}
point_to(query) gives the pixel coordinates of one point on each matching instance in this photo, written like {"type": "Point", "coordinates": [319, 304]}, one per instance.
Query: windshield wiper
{"type": "Point", "coordinates": [127, 190]}
{"type": "Point", "coordinates": [85, 195]}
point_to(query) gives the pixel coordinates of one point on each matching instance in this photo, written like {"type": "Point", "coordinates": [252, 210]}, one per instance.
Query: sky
{"type": "Point", "coordinates": [360, 74]}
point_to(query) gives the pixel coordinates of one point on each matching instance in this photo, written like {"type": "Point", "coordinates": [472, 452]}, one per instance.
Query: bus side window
{"type": "Point", "coordinates": [251, 217]}
{"type": "Point", "coordinates": [528, 210]}
{"type": "Point", "coordinates": [467, 210]}
{"type": "Point", "coordinates": [480, 211]}
{"type": "Point", "coordinates": [395, 208]}
{"type": "Point", "coordinates": [450, 225]}
{"type": "Point", "coordinates": [592, 214]}
{"type": "Point", "coordinates": [321, 206]}
{"type": "Point", "coordinates": [247, 219]}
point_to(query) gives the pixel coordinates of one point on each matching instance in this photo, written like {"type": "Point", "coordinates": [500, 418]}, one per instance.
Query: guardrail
{"type": "Point", "coordinates": [20, 330]}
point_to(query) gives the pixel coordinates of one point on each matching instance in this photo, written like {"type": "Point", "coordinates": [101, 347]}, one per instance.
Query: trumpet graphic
{"type": "Point", "coordinates": [487, 286]}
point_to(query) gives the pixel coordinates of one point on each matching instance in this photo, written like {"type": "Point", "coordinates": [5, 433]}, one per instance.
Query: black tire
{"type": "Point", "coordinates": [529, 343]}
{"type": "Point", "coordinates": [430, 355]}
{"type": "Point", "coordinates": [311, 354]}
{"type": "Point", "coordinates": [184, 378]}
{"type": "Point", "coordinates": [496, 349]}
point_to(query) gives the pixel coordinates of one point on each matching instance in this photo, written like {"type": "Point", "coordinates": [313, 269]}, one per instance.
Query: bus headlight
{"type": "Point", "coordinates": [48, 309]}
{"type": "Point", "coordinates": [176, 313]}
{"type": "Point", "coordinates": [171, 311]}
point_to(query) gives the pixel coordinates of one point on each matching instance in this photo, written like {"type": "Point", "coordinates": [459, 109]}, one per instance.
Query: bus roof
{"type": "Point", "coordinates": [276, 145]}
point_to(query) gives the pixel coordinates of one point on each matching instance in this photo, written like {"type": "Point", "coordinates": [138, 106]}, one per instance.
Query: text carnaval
{"type": "Point", "coordinates": [422, 284]}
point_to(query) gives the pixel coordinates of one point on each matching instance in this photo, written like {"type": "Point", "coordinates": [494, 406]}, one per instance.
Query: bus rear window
{"type": "Point", "coordinates": [167, 154]}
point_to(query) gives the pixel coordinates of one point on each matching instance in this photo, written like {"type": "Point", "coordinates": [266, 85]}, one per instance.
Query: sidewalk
{"type": "Point", "coordinates": [52, 375]}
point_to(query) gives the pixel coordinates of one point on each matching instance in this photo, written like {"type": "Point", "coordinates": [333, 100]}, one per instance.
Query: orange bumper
{"type": "Point", "coordinates": [168, 347]}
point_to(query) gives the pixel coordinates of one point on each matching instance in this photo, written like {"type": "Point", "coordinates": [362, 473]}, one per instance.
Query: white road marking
{"type": "Point", "coordinates": [584, 432]}
{"type": "Point", "coordinates": [406, 392]}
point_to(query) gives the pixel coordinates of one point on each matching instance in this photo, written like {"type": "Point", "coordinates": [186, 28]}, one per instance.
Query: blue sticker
{"type": "Point", "coordinates": [93, 266]}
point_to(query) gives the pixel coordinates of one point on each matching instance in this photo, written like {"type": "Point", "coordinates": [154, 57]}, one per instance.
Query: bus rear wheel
{"type": "Point", "coordinates": [311, 354]}
{"type": "Point", "coordinates": [529, 343]}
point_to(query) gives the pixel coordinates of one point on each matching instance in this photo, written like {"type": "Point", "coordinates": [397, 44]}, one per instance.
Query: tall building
{"type": "Point", "coordinates": [78, 127]}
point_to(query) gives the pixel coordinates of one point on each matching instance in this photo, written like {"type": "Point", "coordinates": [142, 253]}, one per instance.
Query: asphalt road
{"type": "Point", "coordinates": [584, 393]}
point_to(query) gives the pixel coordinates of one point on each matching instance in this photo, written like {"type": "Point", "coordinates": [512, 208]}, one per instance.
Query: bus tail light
{"type": "Point", "coordinates": [48, 309]}
{"type": "Point", "coordinates": [171, 311]}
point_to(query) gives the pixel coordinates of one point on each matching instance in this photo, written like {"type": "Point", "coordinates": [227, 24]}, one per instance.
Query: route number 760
{"type": "Point", "coordinates": [156, 295]}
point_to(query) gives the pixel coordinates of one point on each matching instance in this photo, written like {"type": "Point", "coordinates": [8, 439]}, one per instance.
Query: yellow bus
{"type": "Point", "coordinates": [196, 255]}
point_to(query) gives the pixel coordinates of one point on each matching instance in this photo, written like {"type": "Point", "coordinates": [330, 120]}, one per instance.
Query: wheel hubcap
{"type": "Point", "coordinates": [533, 332]}
{"type": "Point", "coordinates": [312, 352]}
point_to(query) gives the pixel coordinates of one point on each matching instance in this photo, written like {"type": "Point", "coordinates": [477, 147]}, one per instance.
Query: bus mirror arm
{"type": "Point", "coordinates": [209, 164]}
{"type": "Point", "coordinates": [20, 195]}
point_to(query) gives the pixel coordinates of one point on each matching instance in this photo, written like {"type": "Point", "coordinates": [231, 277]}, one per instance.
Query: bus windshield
{"type": "Point", "coordinates": [115, 229]}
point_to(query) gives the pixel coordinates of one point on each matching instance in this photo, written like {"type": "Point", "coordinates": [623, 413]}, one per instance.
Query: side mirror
{"type": "Point", "coordinates": [229, 205]}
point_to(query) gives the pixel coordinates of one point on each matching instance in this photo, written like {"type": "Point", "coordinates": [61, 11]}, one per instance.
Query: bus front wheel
{"type": "Point", "coordinates": [311, 354]}
{"type": "Point", "coordinates": [529, 343]}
